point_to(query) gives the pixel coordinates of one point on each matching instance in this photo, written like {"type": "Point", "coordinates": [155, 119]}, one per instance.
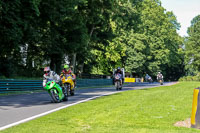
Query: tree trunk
{"type": "Point", "coordinates": [74, 62]}
{"type": "Point", "coordinates": [55, 64]}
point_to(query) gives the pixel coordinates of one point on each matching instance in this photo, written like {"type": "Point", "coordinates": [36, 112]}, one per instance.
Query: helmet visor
{"type": "Point", "coordinates": [46, 72]}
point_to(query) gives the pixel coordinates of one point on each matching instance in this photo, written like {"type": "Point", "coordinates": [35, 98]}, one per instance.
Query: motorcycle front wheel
{"type": "Point", "coordinates": [54, 95]}
{"type": "Point", "coordinates": [69, 91]}
{"type": "Point", "coordinates": [117, 85]}
{"type": "Point", "coordinates": [161, 82]}
{"type": "Point", "coordinates": [72, 92]}
{"type": "Point", "coordinates": [64, 89]}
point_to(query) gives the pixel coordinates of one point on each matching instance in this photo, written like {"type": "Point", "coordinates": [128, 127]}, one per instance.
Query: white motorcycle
{"type": "Point", "coordinates": [118, 81]}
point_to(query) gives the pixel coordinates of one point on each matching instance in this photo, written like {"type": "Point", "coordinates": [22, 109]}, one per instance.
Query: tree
{"type": "Point", "coordinates": [192, 47]}
{"type": "Point", "coordinates": [14, 23]}
{"type": "Point", "coordinates": [160, 39]}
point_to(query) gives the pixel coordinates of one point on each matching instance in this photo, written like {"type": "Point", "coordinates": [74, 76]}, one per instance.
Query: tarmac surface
{"type": "Point", "coordinates": [16, 109]}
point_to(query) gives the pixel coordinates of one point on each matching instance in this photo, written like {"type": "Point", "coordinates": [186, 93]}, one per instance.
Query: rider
{"type": "Point", "coordinates": [48, 74]}
{"type": "Point", "coordinates": [147, 77]}
{"type": "Point", "coordinates": [67, 70]}
{"type": "Point", "coordinates": [159, 76]}
{"type": "Point", "coordinates": [119, 71]}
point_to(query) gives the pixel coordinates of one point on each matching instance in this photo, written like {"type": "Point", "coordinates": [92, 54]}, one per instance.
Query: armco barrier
{"type": "Point", "coordinates": [195, 117]}
{"type": "Point", "coordinates": [93, 82]}
{"type": "Point", "coordinates": [7, 86]}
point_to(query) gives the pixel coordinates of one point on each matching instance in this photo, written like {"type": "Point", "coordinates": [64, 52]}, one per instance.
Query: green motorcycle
{"type": "Point", "coordinates": [56, 92]}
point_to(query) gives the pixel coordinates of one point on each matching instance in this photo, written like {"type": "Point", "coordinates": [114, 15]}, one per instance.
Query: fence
{"type": "Point", "coordinates": [93, 82]}
{"type": "Point", "coordinates": [91, 76]}
{"type": "Point", "coordinates": [7, 86]}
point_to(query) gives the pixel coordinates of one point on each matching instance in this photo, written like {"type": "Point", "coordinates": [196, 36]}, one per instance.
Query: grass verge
{"type": "Point", "coordinates": [153, 110]}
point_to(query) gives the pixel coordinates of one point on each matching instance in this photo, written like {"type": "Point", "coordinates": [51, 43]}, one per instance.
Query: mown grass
{"type": "Point", "coordinates": [153, 110]}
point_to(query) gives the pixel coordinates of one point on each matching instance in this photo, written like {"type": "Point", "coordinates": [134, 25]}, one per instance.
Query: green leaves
{"type": "Point", "coordinates": [192, 46]}
{"type": "Point", "coordinates": [138, 35]}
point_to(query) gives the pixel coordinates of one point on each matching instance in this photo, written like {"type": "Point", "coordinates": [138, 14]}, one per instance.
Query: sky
{"type": "Point", "coordinates": [184, 10]}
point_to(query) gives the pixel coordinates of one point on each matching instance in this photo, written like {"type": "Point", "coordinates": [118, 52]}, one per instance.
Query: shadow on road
{"type": "Point", "coordinates": [43, 98]}
{"type": "Point", "coordinates": [23, 100]}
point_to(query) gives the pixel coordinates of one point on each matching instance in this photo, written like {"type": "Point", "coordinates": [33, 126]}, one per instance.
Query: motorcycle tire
{"type": "Point", "coordinates": [161, 82]}
{"type": "Point", "coordinates": [120, 88]}
{"type": "Point", "coordinates": [72, 92]}
{"type": "Point", "coordinates": [117, 84]}
{"type": "Point", "coordinates": [65, 94]}
{"type": "Point", "coordinates": [54, 96]}
{"type": "Point", "coordinates": [67, 86]}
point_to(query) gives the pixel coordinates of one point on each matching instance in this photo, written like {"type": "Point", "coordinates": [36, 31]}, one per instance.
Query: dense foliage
{"type": "Point", "coordinates": [192, 47]}
{"type": "Point", "coordinates": [94, 36]}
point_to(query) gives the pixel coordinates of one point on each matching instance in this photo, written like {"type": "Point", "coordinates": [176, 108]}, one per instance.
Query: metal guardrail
{"type": "Point", "coordinates": [93, 82]}
{"type": "Point", "coordinates": [7, 86]}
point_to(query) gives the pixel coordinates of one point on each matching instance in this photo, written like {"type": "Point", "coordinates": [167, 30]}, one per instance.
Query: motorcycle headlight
{"type": "Point", "coordinates": [52, 84]}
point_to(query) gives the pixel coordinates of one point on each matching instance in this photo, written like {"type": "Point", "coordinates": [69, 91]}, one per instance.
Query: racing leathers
{"type": "Point", "coordinates": [51, 76]}
{"type": "Point", "coordinates": [121, 76]}
{"type": "Point", "coordinates": [65, 72]}
{"type": "Point", "coordinates": [159, 76]}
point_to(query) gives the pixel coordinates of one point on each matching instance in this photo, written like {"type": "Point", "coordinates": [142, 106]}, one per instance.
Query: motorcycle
{"type": "Point", "coordinates": [56, 92]}
{"type": "Point", "coordinates": [118, 81]}
{"type": "Point", "coordinates": [150, 79]}
{"type": "Point", "coordinates": [68, 83]}
{"type": "Point", "coordinates": [160, 81]}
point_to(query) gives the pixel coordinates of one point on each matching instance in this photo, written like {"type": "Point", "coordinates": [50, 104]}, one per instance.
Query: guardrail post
{"type": "Point", "coordinates": [195, 117]}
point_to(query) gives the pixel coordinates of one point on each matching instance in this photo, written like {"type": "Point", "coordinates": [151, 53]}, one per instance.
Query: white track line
{"type": "Point", "coordinates": [50, 111]}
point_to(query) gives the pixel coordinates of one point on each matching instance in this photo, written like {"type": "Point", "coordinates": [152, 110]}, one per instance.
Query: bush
{"type": "Point", "coordinates": [2, 77]}
{"type": "Point", "coordinates": [190, 78]}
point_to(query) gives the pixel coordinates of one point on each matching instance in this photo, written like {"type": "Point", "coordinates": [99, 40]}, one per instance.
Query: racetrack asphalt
{"type": "Point", "coordinates": [16, 109]}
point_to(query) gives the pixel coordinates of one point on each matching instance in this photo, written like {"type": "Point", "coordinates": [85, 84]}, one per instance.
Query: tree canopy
{"type": "Point", "coordinates": [139, 35]}
{"type": "Point", "coordinates": [192, 47]}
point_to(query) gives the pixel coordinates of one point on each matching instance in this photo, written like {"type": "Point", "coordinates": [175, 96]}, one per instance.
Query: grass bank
{"type": "Point", "coordinates": [153, 110]}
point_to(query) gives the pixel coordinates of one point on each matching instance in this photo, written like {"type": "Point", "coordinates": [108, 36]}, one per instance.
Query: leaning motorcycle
{"type": "Point", "coordinates": [150, 79]}
{"type": "Point", "coordinates": [118, 81]}
{"type": "Point", "coordinates": [68, 83]}
{"type": "Point", "coordinates": [56, 92]}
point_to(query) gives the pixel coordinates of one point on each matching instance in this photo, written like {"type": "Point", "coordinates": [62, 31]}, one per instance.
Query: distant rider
{"type": "Point", "coordinates": [50, 75]}
{"type": "Point", "coordinates": [159, 76]}
{"type": "Point", "coordinates": [66, 70]}
{"type": "Point", "coordinates": [148, 78]}
{"type": "Point", "coordinates": [119, 71]}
